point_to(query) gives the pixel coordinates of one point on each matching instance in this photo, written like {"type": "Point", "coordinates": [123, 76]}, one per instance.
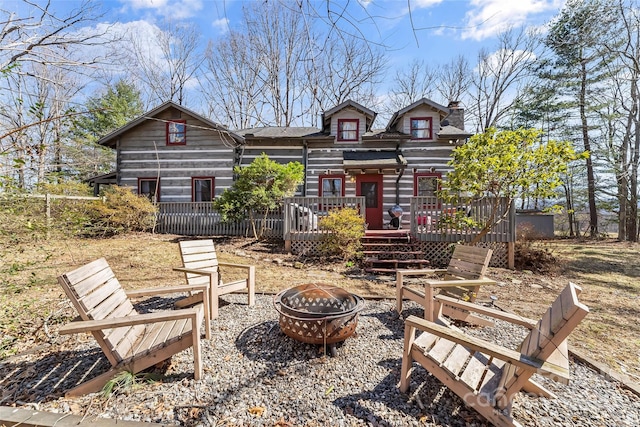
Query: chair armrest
{"type": "Point", "coordinates": [485, 347]}
{"type": "Point", "coordinates": [138, 319]}
{"type": "Point", "coordinates": [492, 312]}
{"type": "Point", "coordinates": [455, 283]}
{"type": "Point", "coordinates": [194, 271]}
{"type": "Point", "coordinates": [422, 271]}
{"type": "Point", "coordinates": [233, 265]}
{"type": "Point", "coordinates": [137, 293]}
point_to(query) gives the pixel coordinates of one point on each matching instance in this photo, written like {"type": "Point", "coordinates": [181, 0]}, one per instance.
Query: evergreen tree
{"type": "Point", "coordinates": [578, 70]}
{"type": "Point", "coordinates": [105, 113]}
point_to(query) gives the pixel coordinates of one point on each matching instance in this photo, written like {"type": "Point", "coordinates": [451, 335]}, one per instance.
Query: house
{"type": "Point", "coordinates": [348, 157]}
{"type": "Point", "coordinates": [182, 160]}
{"type": "Point", "coordinates": [172, 154]}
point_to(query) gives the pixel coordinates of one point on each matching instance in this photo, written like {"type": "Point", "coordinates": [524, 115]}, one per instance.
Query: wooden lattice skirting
{"type": "Point", "coordinates": [438, 253]}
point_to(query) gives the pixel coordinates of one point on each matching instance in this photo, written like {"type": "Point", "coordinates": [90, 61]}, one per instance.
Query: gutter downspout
{"type": "Point", "coordinates": [398, 152]}
{"type": "Point", "coordinates": [238, 153]}
{"type": "Point", "coordinates": [118, 162]}
{"type": "Point", "coordinates": [305, 153]}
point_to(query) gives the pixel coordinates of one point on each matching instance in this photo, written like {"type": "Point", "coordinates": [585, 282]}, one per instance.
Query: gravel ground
{"type": "Point", "coordinates": [257, 376]}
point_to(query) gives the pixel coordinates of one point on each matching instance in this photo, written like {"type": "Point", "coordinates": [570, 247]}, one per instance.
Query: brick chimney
{"type": "Point", "coordinates": [456, 115]}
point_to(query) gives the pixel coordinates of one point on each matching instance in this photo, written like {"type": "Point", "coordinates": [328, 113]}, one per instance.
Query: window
{"type": "Point", "coordinates": [426, 184]}
{"type": "Point", "coordinates": [150, 188]}
{"type": "Point", "coordinates": [348, 129]}
{"type": "Point", "coordinates": [331, 186]}
{"type": "Point", "coordinates": [421, 128]}
{"type": "Point", "coordinates": [202, 189]}
{"type": "Point", "coordinates": [177, 132]}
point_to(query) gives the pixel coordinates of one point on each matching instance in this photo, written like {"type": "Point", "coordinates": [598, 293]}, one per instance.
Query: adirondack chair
{"type": "Point", "coordinates": [462, 279]}
{"type": "Point", "coordinates": [201, 267]}
{"type": "Point", "coordinates": [487, 376]}
{"type": "Point", "coordinates": [130, 341]}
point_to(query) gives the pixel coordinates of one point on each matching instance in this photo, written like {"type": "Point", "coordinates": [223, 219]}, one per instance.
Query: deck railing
{"type": "Point", "coordinates": [201, 219]}
{"type": "Point", "coordinates": [302, 214]}
{"type": "Point", "coordinates": [435, 220]}
{"type": "Point", "coordinates": [429, 219]}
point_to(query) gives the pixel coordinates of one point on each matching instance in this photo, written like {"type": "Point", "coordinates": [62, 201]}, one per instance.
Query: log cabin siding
{"type": "Point", "coordinates": [282, 154]}
{"type": "Point", "coordinates": [324, 159]}
{"type": "Point", "coordinates": [211, 151]}
{"type": "Point", "coordinates": [142, 152]}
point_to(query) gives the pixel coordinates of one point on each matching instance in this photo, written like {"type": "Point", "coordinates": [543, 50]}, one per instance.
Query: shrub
{"type": "Point", "coordinates": [121, 212]}
{"type": "Point", "coordinates": [345, 229]}
{"type": "Point", "coordinates": [24, 216]}
{"type": "Point", "coordinates": [529, 256]}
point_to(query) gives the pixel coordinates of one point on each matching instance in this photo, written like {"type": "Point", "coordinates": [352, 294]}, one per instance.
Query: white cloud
{"type": "Point", "coordinates": [422, 4]}
{"type": "Point", "coordinates": [487, 18]}
{"type": "Point", "coordinates": [176, 10]}
{"type": "Point", "coordinates": [221, 25]}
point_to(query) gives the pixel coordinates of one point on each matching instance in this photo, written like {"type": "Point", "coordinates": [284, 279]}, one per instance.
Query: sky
{"type": "Point", "coordinates": [436, 31]}
{"type": "Point", "coordinates": [430, 29]}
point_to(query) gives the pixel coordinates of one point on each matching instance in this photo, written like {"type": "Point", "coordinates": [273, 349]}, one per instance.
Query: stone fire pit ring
{"type": "Point", "coordinates": [318, 313]}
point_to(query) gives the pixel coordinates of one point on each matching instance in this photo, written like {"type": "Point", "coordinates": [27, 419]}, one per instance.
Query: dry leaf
{"type": "Point", "coordinates": [256, 410]}
{"type": "Point", "coordinates": [282, 423]}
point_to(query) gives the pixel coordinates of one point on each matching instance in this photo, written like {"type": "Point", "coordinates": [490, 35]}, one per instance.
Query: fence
{"type": "Point", "coordinates": [201, 219]}
{"type": "Point", "coordinates": [302, 214]}
{"type": "Point", "coordinates": [436, 221]}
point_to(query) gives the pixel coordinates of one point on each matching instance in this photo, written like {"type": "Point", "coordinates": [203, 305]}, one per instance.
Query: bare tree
{"type": "Point", "coordinates": [415, 81]}
{"type": "Point", "coordinates": [232, 86]}
{"type": "Point", "coordinates": [280, 40]}
{"type": "Point", "coordinates": [167, 63]}
{"type": "Point", "coordinates": [40, 111]}
{"type": "Point", "coordinates": [44, 37]}
{"type": "Point", "coordinates": [347, 68]}
{"type": "Point", "coordinates": [623, 145]}
{"type": "Point", "coordinates": [278, 70]}
{"type": "Point", "coordinates": [498, 75]}
{"type": "Point", "coordinates": [38, 48]}
{"type": "Point", "coordinates": [453, 79]}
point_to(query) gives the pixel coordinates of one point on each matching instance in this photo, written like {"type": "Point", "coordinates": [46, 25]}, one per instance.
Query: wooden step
{"type": "Point", "coordinates": [399, 240]}
{"type": "Point", "coordinates": [393, 253]}
{"type": "Point", "coordinates": [386, 245]}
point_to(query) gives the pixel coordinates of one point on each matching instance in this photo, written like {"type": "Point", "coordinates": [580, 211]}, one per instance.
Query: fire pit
{"type": "Point", "coordinates": [318, 313]}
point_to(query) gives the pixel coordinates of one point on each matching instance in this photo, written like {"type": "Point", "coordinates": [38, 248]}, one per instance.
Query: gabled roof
{"type": "Point", "coordinates": [369, 114]}
{"type": "Point", "coordinates": [110, 139]}
{"type": "Point", "coordinates": [444, 111]}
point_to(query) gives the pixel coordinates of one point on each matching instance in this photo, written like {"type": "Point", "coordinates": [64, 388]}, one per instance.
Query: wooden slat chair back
{"type": "Point", "coordinates": [201, 266]}
{"type": "Point", "coordinates": [129, 340]}
{"type": "Point", "coordinates": [96, 294]}
{"type": "Point", "coordinates": [462, 279]}
{"type": "Point", "coordinates": [547, 340]}
{"type": "Point", "coordinates": [467, 263]}
{"type": "Point", "coordinates": [487, 376]}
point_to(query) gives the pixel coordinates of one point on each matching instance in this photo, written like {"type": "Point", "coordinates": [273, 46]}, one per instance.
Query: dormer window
{"type": "Point", "coordinates": [348, 129]}
{"type": "Point", "coordinates": [421, 128]}
{"type": "Point", "coordinates": [177, 132]}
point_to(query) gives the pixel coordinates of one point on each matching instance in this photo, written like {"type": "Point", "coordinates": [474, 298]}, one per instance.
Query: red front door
{"type": "Point", "coordinates": [370, 186]}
